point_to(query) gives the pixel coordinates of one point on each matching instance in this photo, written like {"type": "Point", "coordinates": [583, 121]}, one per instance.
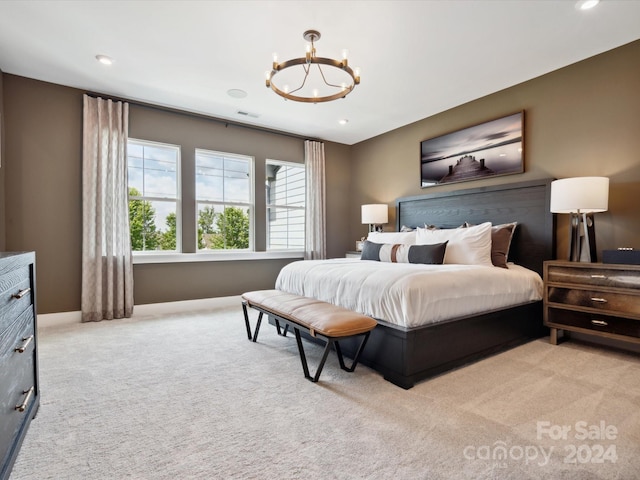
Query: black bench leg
{"type": "Point", "coordinates": [303, 358]}
{"type": "Point", "coordinates": [286, 328]}
{"type": "Point", "coordinates": [248, 326]}
{"type": "Point", "coordinates": [355, 358]}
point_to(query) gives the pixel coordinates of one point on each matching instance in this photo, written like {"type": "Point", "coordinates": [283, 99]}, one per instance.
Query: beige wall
{"type": "Point", "coordinates": [581, 120]}
{"type": "Point", "coordinates": [43, 133]}
{"type": "Point", "coordinates": [43, 168]}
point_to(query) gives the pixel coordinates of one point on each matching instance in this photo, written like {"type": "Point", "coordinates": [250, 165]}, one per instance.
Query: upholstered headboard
{"type": "Point", "coordinates": [524, 202]}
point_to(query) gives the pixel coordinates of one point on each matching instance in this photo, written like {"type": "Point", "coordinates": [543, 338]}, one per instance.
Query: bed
{"type": "Point", "coordinates": [406, 348]}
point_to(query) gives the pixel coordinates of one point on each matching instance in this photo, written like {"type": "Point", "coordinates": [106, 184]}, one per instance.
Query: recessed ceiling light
{"type": "Point", "coordinates": [586, 4]}
{"type": "Point", "coordinates": [236, 93]}
{"type": "Point", "coordinates": [344, 121]}
{"type": "Point", "coordinates": [248, 114]}
{"type": "Point", "coordinates": [103, 59]}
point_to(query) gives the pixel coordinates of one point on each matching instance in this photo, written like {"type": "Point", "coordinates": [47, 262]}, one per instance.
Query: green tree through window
{"type": "Point", "coordinates": [142, 218]}
{"type": "Point", "coordinates": [226, 230]}
{"type": "Point", "coordinates": [168, 238]}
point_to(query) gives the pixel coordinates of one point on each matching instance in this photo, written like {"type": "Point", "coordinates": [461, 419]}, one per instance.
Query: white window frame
{"type": "Point", "coordinates": [177, 200]}
{"type": "Point", "coordinates": [250, 205]}
{"type": "Point", "coordinates": [270, 161]}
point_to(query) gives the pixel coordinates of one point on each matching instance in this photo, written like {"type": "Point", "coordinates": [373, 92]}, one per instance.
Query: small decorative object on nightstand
{"type": "Point", "coordinates": [592, 298]}
{"type": "Point", "coordinates": [353, 254]}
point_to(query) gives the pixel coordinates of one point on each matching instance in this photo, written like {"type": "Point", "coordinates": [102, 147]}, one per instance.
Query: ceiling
{"type": "Point", "coordinates": [417, 58]}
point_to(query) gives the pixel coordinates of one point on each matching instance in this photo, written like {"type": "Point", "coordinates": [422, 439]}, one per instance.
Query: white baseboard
{"type": "Point", "coordinates": [49, 320]}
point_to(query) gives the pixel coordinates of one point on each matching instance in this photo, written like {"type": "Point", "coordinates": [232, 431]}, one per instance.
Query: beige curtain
{"type": "Point", "coordinates": [107, 273]}
{"type": "Point", "coordinates": [315, 223]}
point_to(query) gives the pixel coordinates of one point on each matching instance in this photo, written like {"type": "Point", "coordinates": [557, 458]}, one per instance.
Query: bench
{"type": "Point", "coordinates": [324, 321]}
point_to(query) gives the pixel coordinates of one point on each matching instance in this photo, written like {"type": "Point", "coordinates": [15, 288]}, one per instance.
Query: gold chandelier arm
{"type": "Point", "coordinates": [325, 80]}
{"type": "Point", "coordinates": [304, 80]}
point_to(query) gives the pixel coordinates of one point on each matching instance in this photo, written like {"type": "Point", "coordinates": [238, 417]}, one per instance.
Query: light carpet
{"type": "Point", "coordinates": [186, 395]}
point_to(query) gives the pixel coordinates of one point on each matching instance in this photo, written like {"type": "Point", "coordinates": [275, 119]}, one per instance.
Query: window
{"type": "Point", "coordinates": [154, 195]}
{"type": "Point", "coordinates": [285, 189]}
{"type": "Point", "coordinates": [224, 200]}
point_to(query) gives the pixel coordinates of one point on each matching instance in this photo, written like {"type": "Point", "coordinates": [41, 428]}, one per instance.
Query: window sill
{"type": "Point", "coordinates": [142, 258]}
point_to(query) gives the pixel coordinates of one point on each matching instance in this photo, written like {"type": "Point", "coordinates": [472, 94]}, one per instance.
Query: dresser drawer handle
{"type": "Point", "coordinates": [600, 323]}
{"type": "Point", "coordinates": [598, 300]}
{"type": "Point", "coordinates": [25, 343]}
{"type": "Point", "coordinates": [598, 276]}
{"type": "Point", "coordinates": [23, 406]}
{"type": "Point", "coordinates": [21, 293]}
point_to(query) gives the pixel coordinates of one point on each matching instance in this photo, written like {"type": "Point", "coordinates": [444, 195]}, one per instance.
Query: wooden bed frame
{"type": "Point", "coordinates": [407, 355]}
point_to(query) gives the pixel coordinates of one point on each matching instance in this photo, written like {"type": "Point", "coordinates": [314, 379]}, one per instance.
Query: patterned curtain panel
{"type": "Point", "coordinates": [107, 273]}
{"type": "Point", "coordinates": [315, 223]}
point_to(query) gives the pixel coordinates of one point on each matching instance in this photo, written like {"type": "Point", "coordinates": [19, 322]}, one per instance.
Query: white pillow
{"type": "Point", "coordinates": [405, 238]}
{"type": "Point", "coordinates": [467, 246]}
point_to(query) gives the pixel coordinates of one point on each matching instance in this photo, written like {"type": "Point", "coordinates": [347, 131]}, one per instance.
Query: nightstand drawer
{"type": "Point", "coordinates": [593, 322]}
{"type": "Point", "coordinates": [598, 276]}
{"type": "Point", "coordinates": [616, 303]}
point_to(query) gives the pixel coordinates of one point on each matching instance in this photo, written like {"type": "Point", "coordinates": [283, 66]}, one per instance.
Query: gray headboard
{"type": "Point", "coordinates": [524, 202]}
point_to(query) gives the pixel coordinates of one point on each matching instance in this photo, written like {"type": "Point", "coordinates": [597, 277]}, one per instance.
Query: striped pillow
{"type": "Point", "coordinates": [400, 253]}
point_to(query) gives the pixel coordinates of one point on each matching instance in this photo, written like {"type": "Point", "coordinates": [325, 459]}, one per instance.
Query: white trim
{"type": "Point", "coordinates": [142, 258]}
{"type": "Point", "coordinates": [50, 320]}
{"type": "Point", "coordinates": [53, 320]}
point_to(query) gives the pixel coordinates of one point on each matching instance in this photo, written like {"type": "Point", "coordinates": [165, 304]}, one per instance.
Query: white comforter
{"type": "Point", "coordinates": [411, 295]}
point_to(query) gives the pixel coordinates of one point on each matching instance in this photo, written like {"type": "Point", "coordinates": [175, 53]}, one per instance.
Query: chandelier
{"type": "Point", "coordinates": [327, 84]}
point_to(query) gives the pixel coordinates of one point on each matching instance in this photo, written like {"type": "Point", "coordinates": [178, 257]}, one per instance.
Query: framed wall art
{"type": "Point", "coordinates": [484, 150]}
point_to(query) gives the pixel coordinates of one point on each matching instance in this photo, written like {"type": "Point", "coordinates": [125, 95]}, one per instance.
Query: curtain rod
{"type": "Point", "coordinates": [226, 123]}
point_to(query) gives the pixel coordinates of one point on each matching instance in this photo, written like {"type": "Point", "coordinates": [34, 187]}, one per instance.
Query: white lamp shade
{"type": "Point", "coordinates": [584, 194]}
{"type": "Point", "coordinates": [375, 214]}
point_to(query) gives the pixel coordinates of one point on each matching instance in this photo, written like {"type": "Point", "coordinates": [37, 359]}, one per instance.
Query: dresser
{"type": "Point", "coordinates": [592, 298]}
{"type": "Point", "coordinates": [19, 392]}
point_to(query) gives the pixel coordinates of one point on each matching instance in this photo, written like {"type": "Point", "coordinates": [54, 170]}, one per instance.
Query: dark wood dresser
{"type": "Point", "coordinates": [19, 392]}
{"type": "Point", "coordinates": [593, 298]}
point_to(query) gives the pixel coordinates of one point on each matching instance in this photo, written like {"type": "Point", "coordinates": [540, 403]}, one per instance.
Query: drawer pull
{"type": "Point", "coordinates": [23, 406]}
{"type": "Point", "coordinates": [598, 300]}
{"type": "Point", "coordinates": [21, 293]}
{"type": "Point", "coordinates": [25, 343]}
{"type": "Point", "coordinates": [598, 276]}
{"type": "Point", "coordinates": [600, 323]}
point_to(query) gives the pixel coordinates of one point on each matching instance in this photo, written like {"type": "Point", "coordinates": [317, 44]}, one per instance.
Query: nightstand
{"type": "Point", "coordinates": [353, 254]}
{"type": "Point", "coordinates": [592, 298]}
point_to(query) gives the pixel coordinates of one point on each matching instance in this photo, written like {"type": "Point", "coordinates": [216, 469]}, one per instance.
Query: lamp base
{"type": "Point", "coordinates": [582, 238]}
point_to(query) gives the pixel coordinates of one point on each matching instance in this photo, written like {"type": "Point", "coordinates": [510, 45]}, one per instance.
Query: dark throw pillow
{"type": "Point", "coordinates": [399, 253]}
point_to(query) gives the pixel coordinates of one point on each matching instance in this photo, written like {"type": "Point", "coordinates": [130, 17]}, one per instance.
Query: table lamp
{"type": "Point", "coordinates": [375, 215]}
{"type": "Point", "coordinates": [581, 197]}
